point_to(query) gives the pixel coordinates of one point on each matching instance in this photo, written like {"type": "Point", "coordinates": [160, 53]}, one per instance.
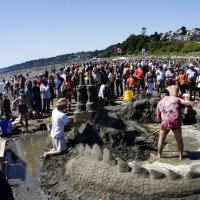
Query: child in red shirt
{"type": "Point", "coordinates": [182, 80]}
{"type": "Point", "coordinates": [131, 82]}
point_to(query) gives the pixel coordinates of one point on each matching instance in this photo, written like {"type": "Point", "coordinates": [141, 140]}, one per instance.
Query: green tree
{"type": "Point", "coordinates": [184, 30]}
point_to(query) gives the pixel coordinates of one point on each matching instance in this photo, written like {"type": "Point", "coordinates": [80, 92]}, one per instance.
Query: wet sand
{"type": "Point", "coordinates": [23, 154]}
{"type": "Point", "coordinates": [53, 169]}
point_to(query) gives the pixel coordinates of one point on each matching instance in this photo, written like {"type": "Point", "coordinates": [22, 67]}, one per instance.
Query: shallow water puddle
{"type": "Point", "coordinates": [23, 156]}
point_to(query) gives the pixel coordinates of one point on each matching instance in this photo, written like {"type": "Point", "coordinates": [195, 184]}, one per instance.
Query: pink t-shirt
{"type": "Point", "coordinates": [169, 112]}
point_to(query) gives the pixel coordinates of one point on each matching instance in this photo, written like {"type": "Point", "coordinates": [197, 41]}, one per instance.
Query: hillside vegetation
{"type": "Point", "coordinates": [154, 46]}
{"type": "Point", "coordinates": [66, 58]}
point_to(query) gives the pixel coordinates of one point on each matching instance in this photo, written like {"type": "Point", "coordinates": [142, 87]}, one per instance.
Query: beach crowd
{"type": "Point", "coordinates": [35, 95]}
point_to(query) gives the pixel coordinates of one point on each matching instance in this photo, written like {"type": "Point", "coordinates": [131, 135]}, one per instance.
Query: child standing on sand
{"type": "Point", "coordinates": [131, 82]}
{"type": "Point", "coordinates": [6, 106]}
{"type": "Point", "coordinates": [182, 81]}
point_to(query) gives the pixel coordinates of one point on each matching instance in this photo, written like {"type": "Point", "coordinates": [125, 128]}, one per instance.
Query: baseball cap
{"type": "Point", "coordinates": [164, 91]}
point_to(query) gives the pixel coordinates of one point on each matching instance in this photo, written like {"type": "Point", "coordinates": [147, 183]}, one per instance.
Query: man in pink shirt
{"type": "Point", "coordinates": [169, 112]}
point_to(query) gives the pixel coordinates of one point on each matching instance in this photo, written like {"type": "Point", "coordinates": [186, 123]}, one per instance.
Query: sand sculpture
{"type": "Point", "coordinates": [98, 165]}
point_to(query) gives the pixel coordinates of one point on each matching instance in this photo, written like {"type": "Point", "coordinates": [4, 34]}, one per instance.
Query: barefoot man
{"type": "Point", "coordinates": [59, 120]}
{"type": "Point", "coordinates": [169, 112]}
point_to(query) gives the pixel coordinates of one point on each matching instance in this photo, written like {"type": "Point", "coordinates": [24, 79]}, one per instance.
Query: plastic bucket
{"type": "Point", "coordinates": [128, 94]}
{"type": "Point", "coordinates": [49, 119]}
{"type": "Point", "coordinates": [6, 126]}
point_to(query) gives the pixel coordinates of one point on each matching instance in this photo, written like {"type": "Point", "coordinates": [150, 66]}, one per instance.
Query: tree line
{"type": "Point", "coordinates": [153, 46]}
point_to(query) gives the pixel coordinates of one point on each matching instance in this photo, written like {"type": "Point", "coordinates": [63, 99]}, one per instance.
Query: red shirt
{"type": "Point", "coordinates": [39, 81]}
{"type": "Point", "coordinates": [68, 85]}
{"type": "Point", "coordinates": [131, 81]}
{"type": "Point", "coordinates": [182, 79]}
{"type": "Point", "coordinates": [139, 74]}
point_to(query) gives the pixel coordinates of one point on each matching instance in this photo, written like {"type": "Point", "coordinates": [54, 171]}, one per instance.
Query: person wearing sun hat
{"type": "Point", "coordinates": [169, 113]}
{"type": "Point", "coordinates": [191, 75]}
{"type": "Point", "coordinates": [169, 74]}
{"type": "Point", "coordinates": [59, 120]}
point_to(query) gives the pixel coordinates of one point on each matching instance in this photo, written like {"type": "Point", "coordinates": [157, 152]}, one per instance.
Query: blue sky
{"type": "Point", "coordinates": [33, 29]}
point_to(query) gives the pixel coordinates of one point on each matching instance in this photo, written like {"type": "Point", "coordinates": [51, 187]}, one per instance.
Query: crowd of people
{"type": "Point", "coordinates": [143, 77]}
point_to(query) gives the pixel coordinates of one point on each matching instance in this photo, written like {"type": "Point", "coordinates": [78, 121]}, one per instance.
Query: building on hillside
{"type": "Point", "coordinates": [193, 34]}
{"type": "Point", "coordinates": [183, 37]}
{"type": "Point", "coordinates": [170, 35]}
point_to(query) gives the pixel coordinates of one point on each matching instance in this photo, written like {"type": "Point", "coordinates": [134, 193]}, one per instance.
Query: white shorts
{"type": "Point", "coordinates": [59, 144]}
